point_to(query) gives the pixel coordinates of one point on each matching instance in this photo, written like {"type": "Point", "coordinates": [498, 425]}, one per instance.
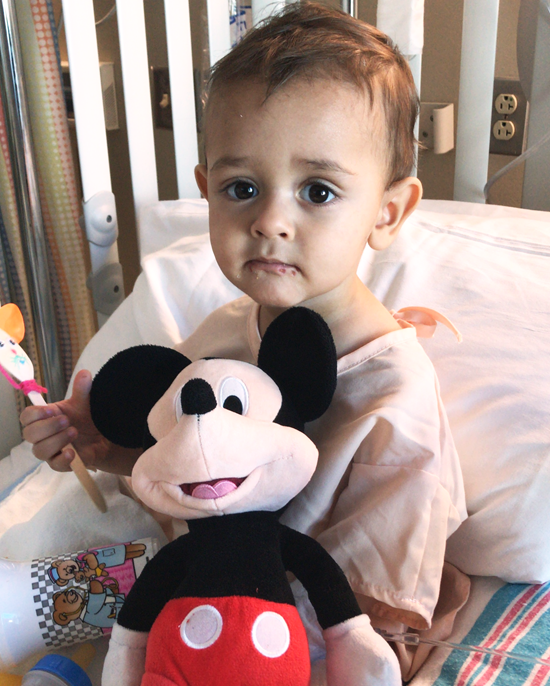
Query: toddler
{"type": "Point", "coordinates": [309, 147]}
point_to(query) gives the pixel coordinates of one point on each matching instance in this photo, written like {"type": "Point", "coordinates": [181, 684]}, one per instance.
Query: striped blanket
{"type": "Point", "coordinates": [515, 619]}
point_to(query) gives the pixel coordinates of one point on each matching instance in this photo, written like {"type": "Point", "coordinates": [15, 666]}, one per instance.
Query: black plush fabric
{"type": "Point", "coordinates": [126, 388]}
{"type": "Point", "coordinates": [298, 353]}
{"type": "Point", "coordinates": [245, 554]}
{"type": "Point", "coordinates": [197, 397]}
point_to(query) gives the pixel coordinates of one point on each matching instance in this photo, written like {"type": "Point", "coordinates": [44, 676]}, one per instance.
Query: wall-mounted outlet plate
{"type": "Point", "coordinates": [108, 90]}
{"type": "Point", "coordinates": [508, 118]}
{"type": "Point", "coordinates": [161, 93]}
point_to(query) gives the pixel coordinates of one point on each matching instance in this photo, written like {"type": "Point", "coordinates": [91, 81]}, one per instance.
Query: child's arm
{"type": "Point", "coordinates": [51, 428]}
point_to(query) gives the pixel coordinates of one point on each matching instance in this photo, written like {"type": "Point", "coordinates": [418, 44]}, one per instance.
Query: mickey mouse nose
{"type": "Point", "coordinates": [197, 397]}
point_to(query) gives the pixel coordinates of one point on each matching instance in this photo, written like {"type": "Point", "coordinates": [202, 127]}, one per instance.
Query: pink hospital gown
{"type": "Point", "coordinates": [388, 489]}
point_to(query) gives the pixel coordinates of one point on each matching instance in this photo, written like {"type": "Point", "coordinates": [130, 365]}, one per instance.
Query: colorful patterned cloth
{"type": "Point", "coordinates": [58, 194]}
{"type": "Point", "coordinates": [516, 619]}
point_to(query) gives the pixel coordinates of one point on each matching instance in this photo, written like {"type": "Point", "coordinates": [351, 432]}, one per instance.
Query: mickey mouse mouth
{"type": "Point", "coordinates": [210, 490]}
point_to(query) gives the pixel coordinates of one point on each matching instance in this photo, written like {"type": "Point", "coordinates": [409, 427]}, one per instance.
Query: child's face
{"type": "Point", "coordinates": [295, 188]}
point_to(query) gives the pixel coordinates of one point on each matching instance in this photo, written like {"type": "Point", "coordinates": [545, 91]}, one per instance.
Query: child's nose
{"type": "Point", "coordinates": [273, 219]}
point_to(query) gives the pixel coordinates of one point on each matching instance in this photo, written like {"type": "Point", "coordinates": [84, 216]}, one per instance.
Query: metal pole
{"type": "Point", "coordinates": [350, 6]}
{"type": "Point", "coordinates": [18, 128]}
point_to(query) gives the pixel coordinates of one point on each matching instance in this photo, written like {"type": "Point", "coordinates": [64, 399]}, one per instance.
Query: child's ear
{"type": "Point", "coordinates": [202, 179]}
{"type": "Point", "coordinates": [398, 203]}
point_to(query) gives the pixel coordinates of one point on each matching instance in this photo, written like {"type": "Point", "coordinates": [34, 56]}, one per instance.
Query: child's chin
{"type": "Point", "coordinates": [274, 295]}
{"type": "Point", "coordinates": [277, 302]}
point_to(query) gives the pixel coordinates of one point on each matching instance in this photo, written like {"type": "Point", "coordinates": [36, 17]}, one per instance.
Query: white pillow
{"type": "Point", "coordinates": [488, 269]}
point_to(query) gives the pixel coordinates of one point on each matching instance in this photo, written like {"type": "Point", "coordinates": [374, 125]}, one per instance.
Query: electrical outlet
{"type": "Point", "coordinates": [504, 130]}
{"type": "Point", "coordinates": [163, 105]}
{"type": "Point", "coordinates": [508, 119]}
{"type": "Point", "coordinates": [506, 103]}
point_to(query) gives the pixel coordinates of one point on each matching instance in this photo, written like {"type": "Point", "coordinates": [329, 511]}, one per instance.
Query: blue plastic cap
{"type": "Point", "coordinates": [64, 668]}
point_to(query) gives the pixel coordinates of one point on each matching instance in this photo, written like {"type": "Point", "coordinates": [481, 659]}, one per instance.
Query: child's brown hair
{"type": "Point", "coordinates": [311, 41]}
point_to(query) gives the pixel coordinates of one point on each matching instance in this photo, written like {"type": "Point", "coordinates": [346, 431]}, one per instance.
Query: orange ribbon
{"type": "Point", "coordinates": [424, 321]}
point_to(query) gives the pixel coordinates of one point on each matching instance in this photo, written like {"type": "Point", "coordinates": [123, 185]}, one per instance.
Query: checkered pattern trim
{"type": "Point", "coordinates": [54, 635]}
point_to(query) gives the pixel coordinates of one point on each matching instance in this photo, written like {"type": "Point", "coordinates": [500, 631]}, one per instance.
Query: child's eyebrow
{"type": "Point", "coordinates": [326, 165]}
{"type": "Point", "coordinates": [228, 161]}
{"type": "Point", "coordinates": [317, 165]}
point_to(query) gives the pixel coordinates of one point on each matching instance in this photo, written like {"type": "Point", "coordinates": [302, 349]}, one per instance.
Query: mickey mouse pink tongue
{"type": "Point", "coordinates": [209, 490]}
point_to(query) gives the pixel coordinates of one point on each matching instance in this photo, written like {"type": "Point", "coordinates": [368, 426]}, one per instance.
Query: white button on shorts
{"type": "Point", "coordinates": [270, 634]}
{"type": "Point", "coordinates": [202, 627]}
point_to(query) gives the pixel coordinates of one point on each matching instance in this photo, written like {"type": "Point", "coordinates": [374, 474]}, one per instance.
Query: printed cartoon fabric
{"type": "Point", "coordinates": [78, 596]}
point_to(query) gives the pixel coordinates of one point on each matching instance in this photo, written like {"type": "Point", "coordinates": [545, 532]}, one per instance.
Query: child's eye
{"type": "Point", "coordinates": [317, 193]}
{"type": "Point", "coordinates": [242, 190]}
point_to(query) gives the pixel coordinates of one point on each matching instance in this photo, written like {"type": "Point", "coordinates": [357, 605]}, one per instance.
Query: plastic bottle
{"type": "Point", "coordinates": [56, 670]}
{"type": "Point", "coordinates": [58, 601]}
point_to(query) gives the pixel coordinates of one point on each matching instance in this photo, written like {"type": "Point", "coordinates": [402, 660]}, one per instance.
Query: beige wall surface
{"type": "Point", "coordinates": [440, 77]}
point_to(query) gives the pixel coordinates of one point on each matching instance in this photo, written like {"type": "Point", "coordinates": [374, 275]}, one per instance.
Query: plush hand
{"type": "Point", "coordinates": [358, 656]}
{"type": "Point", "coordinates": [125, 661]}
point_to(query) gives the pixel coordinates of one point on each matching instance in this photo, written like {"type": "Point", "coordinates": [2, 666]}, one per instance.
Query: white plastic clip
{"type": "Point", "coordinates": [100, 219]}
{"type": "Point", "coordinates": [107, 288]}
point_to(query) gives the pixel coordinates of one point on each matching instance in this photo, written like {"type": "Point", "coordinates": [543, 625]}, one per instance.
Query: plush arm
{"type": "Point", "coordinates": [155, 586]}
{"type": "Point", "coordinates": [356, 654]}
{"type": "Point", "coordinates": [125, 661]}
{"type": "Point", "coordinates": [325, 582]}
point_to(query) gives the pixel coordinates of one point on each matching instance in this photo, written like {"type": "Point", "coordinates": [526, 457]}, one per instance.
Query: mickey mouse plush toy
{"type": "Point", "coordinates": [224, 449]}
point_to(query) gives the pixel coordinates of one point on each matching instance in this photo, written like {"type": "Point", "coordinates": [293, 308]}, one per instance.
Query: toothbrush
{"type": "Point", "coordinates": [15, 364]}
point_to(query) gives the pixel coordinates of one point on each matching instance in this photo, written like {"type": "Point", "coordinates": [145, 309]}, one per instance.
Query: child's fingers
{"type": "Point", "coordinates": [54, 445]}
{"type": "Point", "coordinates": [81, 386]}
{"type": "Point", "coordinates": [62, 461]}
{"type": "Point", "coordinates": [45, 427]}
{"type": "Point", "coordinates": [35, 413]}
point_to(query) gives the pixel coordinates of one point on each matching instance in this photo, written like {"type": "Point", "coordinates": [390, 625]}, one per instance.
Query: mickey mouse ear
{"type": "Point", "coordinates": [298, 352]}
{"type": "Point", "coordinates": [11, 321]}
{"type": "Point", "coordinates": [128, 386]}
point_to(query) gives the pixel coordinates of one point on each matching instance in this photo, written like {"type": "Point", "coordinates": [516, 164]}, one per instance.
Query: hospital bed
{"type": "Point", "coordinates": [486, 267]}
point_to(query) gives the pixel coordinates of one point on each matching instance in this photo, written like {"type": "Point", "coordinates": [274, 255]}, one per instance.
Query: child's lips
{"type": "Point", "coordinates": [272, 267]}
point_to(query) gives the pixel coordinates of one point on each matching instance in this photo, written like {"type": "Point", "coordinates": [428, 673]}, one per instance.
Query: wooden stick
{"type": "Point", "coordinates": [77, 466]}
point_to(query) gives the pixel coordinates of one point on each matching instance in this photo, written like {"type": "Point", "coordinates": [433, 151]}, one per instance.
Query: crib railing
{"type": "Point", "coordinates": [477, 72]}
{"type": "Point", "coordinates": [474, 111]}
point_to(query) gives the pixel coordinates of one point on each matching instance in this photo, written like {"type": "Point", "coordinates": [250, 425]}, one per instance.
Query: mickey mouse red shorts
{"type": "Point", "coordinates": [232, 641]}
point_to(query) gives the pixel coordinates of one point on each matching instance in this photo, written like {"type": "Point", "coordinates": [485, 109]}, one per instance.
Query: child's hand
{"type": "Point", "coordinates": [51, 428]}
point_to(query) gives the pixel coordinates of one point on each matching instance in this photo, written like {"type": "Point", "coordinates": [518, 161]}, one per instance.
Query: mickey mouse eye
{"type": "Point", "coordinates": [234, 395]}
